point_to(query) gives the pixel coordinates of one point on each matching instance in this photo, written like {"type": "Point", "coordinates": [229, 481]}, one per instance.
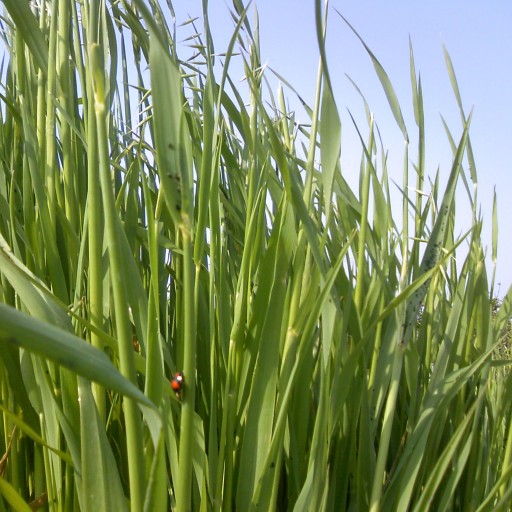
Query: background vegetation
{"type": "Point", "coordinates": [338, 353]}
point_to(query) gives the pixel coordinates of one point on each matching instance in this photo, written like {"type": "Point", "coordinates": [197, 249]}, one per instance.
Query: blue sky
{"type": "Point", "coordinates": [476, 34]}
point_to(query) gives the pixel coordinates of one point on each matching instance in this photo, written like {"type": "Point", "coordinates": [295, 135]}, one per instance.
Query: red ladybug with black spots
{"type": "Point", "coordinates": [178, 383]}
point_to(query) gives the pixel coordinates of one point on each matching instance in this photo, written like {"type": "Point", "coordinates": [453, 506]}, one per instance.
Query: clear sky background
{"type": "Point", "coordinates": [478, 37]}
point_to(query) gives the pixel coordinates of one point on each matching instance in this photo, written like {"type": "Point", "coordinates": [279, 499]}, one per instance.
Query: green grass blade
{"type": "Point", "coordinates": [447, 457]}
{"type": "Point", "coordinates": [114, 239]}
{"type": "Point", "coordinates": [13, 497]}
{"type": "Point", "coordinates": [330, 124]}
{"type": "Point", "coordinates": [101, 485]}
{"type": "Point", "coordinates": [27, 24]}
{"type": "Point", "coordinates": [385, 82]}
{"type": "Point", "coordinates": [66, 349]}
{"type": "Point", "coordinates": [33, 293]}
{"type": "Point", "coordinates": [436, 239]}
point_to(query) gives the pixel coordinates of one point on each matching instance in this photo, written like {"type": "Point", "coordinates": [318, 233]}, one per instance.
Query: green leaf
{"type": "Point", "coordinates": [101, 487]}
{"type": "Point", "coordinates": [27, 24]}
{"type": "Point", "coordinates": [73, 353]}
{"type": "Point", "coordinates": [12, 497]}
{"type": "Point", "coordinates": [386, 83]}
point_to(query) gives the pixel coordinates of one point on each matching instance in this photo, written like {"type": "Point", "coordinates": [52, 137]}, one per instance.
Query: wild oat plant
{"type": "Point", "coordinates": [337, 352]}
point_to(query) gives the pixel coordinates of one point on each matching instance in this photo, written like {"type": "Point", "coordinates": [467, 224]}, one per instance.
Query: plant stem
{"type": "Point", "coordinates": [136, 461]}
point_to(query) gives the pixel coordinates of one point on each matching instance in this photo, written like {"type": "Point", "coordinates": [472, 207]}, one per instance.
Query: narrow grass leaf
{"type": "Point", "coordinates": [385, 82]}
{"type": "Point", "coordinates": [12, 497]}
{"type": "Point", "coordinates": [446, 458]}
{"type": "Point", "coordinates": [437, 238]}
{"type": "Point", "coordinates": [32, 434]}
{"type": "Point", "coordinates": [64, 348]}
{"type": "Point", "coordinates": [261, 405]}
{"type": "Point", "coordinates": [415, 450]}
{"type": "Point", "coordinates": [330, 124]}
{"type": "Point", "coordinates": [167, 105]}
{"type": "Point", "coordinates": [27, 24]}
{"type": "Point", "coordinates": [32, 291]}
{"type": "Point", "coordinates": [458, 97]}
{"type": "Point", "coordinates": [101, 485]}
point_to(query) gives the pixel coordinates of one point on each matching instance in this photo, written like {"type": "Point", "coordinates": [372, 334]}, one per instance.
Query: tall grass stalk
{"type": "Point", "coordinates": [340, 352]}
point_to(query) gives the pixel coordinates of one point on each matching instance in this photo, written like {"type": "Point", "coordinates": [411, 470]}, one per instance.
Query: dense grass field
{"type": "Point", "coordinates": [338, 352]}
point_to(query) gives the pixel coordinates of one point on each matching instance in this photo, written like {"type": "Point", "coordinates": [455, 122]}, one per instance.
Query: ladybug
{"type": "Point", "coordinates": [177, 383]}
